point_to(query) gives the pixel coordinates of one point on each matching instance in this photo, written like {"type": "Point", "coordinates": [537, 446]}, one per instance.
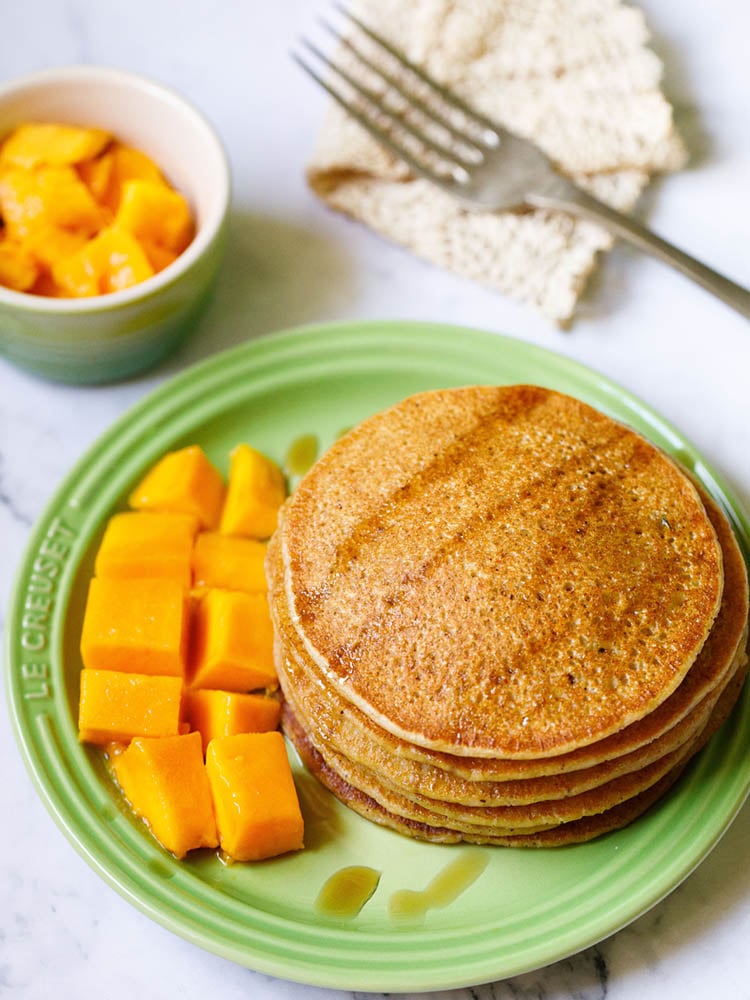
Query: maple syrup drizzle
{"type": "Point", "coordinates": [347, 891]}
{"type": "Point", "coordinates": [301, 455]}
{"type": "Point", "coordinates": [411, 906]}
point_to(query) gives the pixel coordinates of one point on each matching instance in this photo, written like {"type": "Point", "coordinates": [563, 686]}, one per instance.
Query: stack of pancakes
{"type": "Point", "coordinates": [502, 617]}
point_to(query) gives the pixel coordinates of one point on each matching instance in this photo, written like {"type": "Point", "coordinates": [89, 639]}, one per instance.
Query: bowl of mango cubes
{"type": "Point", "coordinates": [114, 196]}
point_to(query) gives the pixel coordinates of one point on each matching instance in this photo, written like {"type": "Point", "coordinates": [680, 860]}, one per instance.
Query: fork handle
{"type": "Point", "coordinates": [580, 203]}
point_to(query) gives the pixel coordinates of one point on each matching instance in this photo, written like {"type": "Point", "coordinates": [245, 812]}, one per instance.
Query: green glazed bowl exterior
{"type": "Point", "coordinates": [113, 342]}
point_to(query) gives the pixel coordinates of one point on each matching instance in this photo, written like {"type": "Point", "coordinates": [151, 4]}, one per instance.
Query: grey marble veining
{"type": "Point", "coordinates": [63, 931]}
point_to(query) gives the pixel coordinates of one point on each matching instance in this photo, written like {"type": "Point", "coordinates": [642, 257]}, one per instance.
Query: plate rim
{"type": "Point", "coordinates": [165, 393]}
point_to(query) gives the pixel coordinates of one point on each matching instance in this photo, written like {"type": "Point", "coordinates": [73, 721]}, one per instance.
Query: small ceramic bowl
{"type": "Point", "coordinates": [109, 337]}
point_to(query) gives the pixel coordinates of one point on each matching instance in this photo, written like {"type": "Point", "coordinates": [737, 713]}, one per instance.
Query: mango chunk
{"type": "Point", "coordinates": [50, 244]}
{"type": "Point", "coordinates": [256, 491]}
{"type": "Point", "coordinates": [165, 782]}
{"type": "Point", "coordinates": [183, 481]}
{"type": "Point", "coordinates": [146, 543]}
{"type": "Point", "coordinates": [232, 642]}
{"type": "Point", "coordinates": [18, 269]}
{"type": "Point", "coordinates": [115, 707]}
{"type": "Point", "coordinates": [96, 174]}
{"type": "Point", "coordinates": [229, 563]}
{"type": "Point", "coordinates": [111, 261]}
{"type": "Point", "coordinates": [225, 713]}
{"type": "Point", "coordinates": [158, 256]}
{"type": "Point", "coordinates": [152, 211]}
{"type": "Point", "coordinates": [126, 164]}
{"type": "Point", "coordinates": [257, 810]}
{"type": "Point", "coordinates": [49, 196]}
{"type": "Point", "coordinates": [37, 143]}
{"type": "Point", "coordinates": [137, 626]}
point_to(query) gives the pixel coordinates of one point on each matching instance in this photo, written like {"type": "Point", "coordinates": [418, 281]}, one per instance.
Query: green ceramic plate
{"type": "Point", "coordinates": [528, 908]}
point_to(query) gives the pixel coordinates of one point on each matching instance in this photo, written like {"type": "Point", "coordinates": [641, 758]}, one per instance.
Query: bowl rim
{"type": "Point", "coordinates": [203, 238]}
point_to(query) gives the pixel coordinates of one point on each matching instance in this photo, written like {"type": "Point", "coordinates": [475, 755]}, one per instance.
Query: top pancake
{"type": "Point", "coordinates": [356, 735]}
{"type": "Point", "coordinates": [500, 571]}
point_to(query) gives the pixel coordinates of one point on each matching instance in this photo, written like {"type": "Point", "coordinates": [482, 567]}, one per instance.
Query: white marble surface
{"type": "Point", "coordinates": [63, 932]}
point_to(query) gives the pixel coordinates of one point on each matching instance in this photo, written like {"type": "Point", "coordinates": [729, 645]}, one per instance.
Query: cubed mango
{"type": "Point", "coordinates": [255, 492]}
{"type": "Point", "coordinates": [115, 707]}
{"type": "Point", "coordinates": [225, 713]}
{"type": "Point", "coordinates": [137, 626]}
{"type": "Point", "coordinates": [18, 269]}
{"type": "Point", "coordinates": [49, 196]}
{"type": "Point", "coordinates": [183, 481]}
{"type": "Point", "coordinates": [231, 645]}
{"type": "Point", "coordinates": [229, 562]}
{"type": "Point", "coordinates": [109, 262]}
{"type": "Point", "coordinates": [62, 188]}
{"type": "Point", "coordinates": [148, 543]}
{"type": "Point", "coordinates": [50, 244]}
{"type": "Point", "coordinates": [36, 143]}
{"type": "Point", "coordinates": [127, 164]}
{"type": "Point", "coordinates": [255, 802]}
{"type": "Point", "coordinates": [165, 782]}
{"type": "Point", "coordinates": [96, 174]}
{"type": "Point", "coordinates": [152, 211]}
{"type": "Point", "coordinates": [159, 257]}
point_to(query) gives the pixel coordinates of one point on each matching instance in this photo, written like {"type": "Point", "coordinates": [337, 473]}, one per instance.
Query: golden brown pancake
{"type": "Point", "coordinates": [501, 617]}
{"type": "Point", "coordinates": [419, 780]}
{"type": "Point", "coordinates": [323, 711]}
{"type": "Point", "coordinates": [576, 831]}
{"type": "Point", "coordinates": [494, 819]}
{"type": "Point", "coordinates": [483, 572]}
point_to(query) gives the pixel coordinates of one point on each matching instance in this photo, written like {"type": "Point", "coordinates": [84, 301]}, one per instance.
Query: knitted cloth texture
{"type": "Point", "coordinates": [574, 76]}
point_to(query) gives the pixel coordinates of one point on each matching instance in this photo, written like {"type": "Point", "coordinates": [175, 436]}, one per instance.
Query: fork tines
{"type": "Point", "coordinates": [420, 122]}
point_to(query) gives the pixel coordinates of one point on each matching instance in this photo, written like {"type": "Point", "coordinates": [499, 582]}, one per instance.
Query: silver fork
{"type": "Point", "coordinates": [486, 167]}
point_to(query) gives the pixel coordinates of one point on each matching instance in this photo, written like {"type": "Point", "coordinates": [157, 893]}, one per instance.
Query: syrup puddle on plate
{"type": "Point", "coordinates": [411, 906]}
{"type": "Point", "coordinates": [346, 891]}
{"type": "Point", "coordinates": [301, 455]}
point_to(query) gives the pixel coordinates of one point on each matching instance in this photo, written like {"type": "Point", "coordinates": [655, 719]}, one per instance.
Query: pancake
{"type": "Point", "coordinates": [501, 617]}
{"type": "Point", "coordinates": [345, 729]}
{"type": "Point", "coordinates": [412, 778]}
{"type": "Point", "coordinates": [622, 815]}
{"type": "Point", "coordinates": [482, 573]}
{"type": "Point", "coordinates": [495, 819]}
{"type": "Point", "coordinates": [577, 831]}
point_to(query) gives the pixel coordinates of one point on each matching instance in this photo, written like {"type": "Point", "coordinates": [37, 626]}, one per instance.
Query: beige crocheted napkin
{"type": "Point", "coordinates": [575, 76]}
